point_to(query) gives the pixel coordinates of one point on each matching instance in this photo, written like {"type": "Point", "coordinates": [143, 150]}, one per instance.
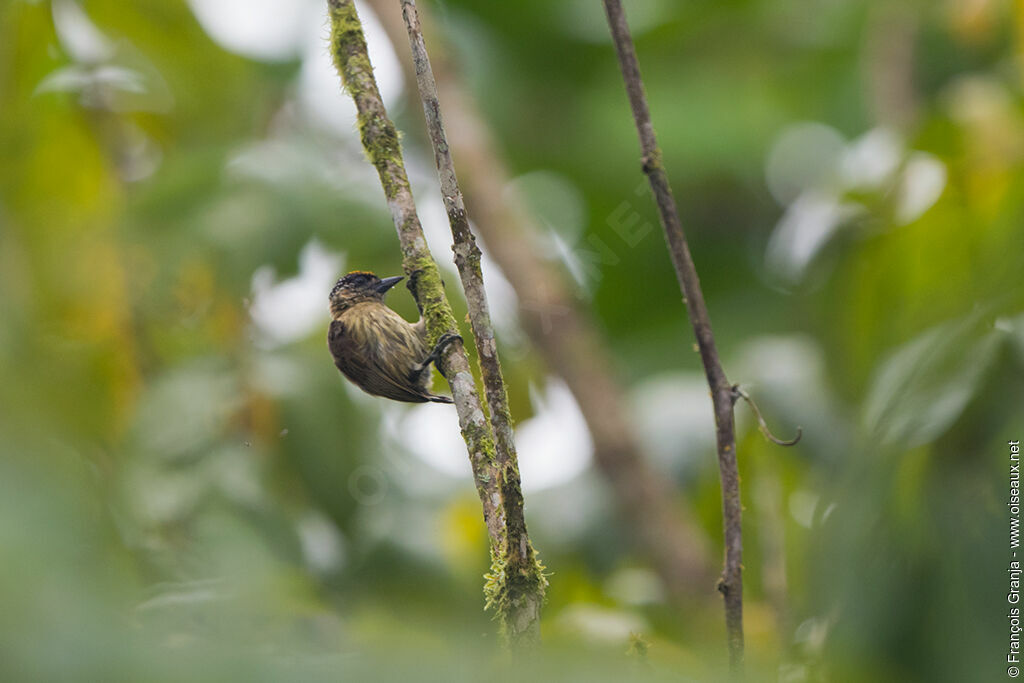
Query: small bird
{"type": "Point", "coordinates": [383, 353]}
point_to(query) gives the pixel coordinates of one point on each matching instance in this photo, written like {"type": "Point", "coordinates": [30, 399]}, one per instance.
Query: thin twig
{"type": "Point", "coordinates": [519, 563]}
{"type": "Point", "coordinates": [380, 140]}
{"type": "Point", "coordinates": [762, 425]}
{"type": "Point", "coordinates": [560, 328]}
{"type": "Point", "coordinates": [731, 583]}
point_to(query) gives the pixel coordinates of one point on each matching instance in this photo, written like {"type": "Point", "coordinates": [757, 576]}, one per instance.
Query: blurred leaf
{"type": "Point", "coordinates": [924, 386]}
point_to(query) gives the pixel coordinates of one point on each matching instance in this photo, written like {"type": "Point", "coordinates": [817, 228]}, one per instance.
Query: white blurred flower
{"type": "Point", "coordinates": [291, 309]}
{"type": "Point", "coordinates": [553, 446]}
{"type": "Point", "coordinates": [921, 185]}
{"type": "Point", "coordinates": [601, 624]}
{"type": "Point", "coordinates": [811, 169]}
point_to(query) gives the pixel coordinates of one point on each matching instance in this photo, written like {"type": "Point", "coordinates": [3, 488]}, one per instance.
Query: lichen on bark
{"type": "Point", "coordinates": [515, 586]}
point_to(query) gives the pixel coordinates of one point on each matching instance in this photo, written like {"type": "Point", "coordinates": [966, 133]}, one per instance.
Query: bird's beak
{"type": "Point", "coordinates": [389, 282]}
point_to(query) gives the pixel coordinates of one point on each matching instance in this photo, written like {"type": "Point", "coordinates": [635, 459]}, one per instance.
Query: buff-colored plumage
{"type": "Point", "coordinates": [379, 350]}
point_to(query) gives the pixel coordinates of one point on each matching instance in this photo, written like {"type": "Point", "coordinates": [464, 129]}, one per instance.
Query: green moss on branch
{"type": "Point", "coordinates": [515, 587]}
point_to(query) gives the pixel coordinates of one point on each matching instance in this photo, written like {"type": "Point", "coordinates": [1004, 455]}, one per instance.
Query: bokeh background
{"type": "Point", "coordinates": [190, 491]}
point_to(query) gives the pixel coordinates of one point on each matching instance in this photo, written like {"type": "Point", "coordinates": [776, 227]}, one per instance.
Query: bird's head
{"type": "Point", "coordinates": [359, 286]}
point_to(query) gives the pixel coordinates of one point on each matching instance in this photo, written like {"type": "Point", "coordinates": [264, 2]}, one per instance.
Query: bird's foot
{"type": "Point", "coordinates": [446, 339]}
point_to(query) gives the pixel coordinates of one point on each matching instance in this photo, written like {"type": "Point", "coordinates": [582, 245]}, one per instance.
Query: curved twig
{"type": "Point", "coordinates": [762, 425]}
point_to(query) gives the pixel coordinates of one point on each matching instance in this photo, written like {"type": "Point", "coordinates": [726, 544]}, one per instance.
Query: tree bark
{"type": "Point", "coordinates": [563, 332]}
{"type": "Point", "coordinates": [496, 481]}
{"type": "Point", "coordinates": [519, 562]}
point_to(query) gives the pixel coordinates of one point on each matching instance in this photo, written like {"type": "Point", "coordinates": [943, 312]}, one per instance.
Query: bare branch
{"type": "Point", "coordinates": [519, 562]}
{"type": "Point", "coordinates": [731, 583]}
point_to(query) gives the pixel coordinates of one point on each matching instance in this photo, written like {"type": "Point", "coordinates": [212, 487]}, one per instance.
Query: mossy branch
{"type": "Point", "coordinates": [523, 575]}
{"type": "Point", "coordinates": [516, 583]}
{"type": "Point", "coordinates": [559, 325]}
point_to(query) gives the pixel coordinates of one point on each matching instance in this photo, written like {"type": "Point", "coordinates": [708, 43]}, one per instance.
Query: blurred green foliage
{"type": "Point", "coordinates": [182, 499]}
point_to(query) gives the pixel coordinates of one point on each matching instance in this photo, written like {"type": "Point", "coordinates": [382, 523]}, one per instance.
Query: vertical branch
{"type": "Point", "coordinates": [505, 591]}
{"type": "Point", "coordinates": [519, 563]}
{"type": "Point", "coordinates": [722, 394]}
{"type": "Point", "coordinates": [563, 332]}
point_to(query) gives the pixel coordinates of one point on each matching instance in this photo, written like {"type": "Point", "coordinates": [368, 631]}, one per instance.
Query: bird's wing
{"type": "Point", "coordinates": [361, 365]}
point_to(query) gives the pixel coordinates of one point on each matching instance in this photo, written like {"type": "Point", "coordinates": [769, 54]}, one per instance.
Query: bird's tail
{"type": "Point", "coordinates": [439, 399]}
